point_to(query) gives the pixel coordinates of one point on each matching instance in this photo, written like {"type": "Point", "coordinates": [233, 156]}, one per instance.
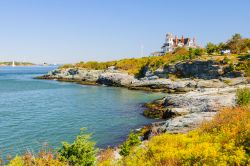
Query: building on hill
{"type": "Point", "coordinates": [171, 43]}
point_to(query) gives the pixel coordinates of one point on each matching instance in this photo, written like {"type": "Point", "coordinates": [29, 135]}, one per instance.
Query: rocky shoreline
{"type": "Point", "coordinates": [198, 90]}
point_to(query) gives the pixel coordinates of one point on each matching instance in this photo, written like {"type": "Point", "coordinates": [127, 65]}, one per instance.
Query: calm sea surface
{"type": "Point", "coordinates": [37, 112]}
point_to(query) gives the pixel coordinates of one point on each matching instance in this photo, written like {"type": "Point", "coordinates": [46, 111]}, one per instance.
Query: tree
{"type": "Point", "coordinates": [236, 44]}
{"type": "Point", "coordinates": [246, 45]}
{"type": "Point", "coordinates": [81, 152]}
{"type": "Point", "coordinates": [198, 51]}
{"type": "Point", "coordinates": [222, 46]}
{"type": "Point", "coordinates": [211, 48]}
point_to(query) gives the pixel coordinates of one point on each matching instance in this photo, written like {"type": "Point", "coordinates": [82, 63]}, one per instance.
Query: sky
{"type": "Point", "coordinates": [69, 31]}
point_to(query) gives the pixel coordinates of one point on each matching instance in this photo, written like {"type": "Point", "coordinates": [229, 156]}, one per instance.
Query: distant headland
{"type": "Point", "coordinates": [13, 63]}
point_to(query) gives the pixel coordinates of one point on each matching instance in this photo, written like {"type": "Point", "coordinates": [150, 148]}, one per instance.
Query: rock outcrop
{"type": "Point", "coordinates": [195, 69]}
{"type": "Point", "coordinates": [188, 110]}
{"type": "Point", "coordinates": [115, 78]}
{"type": "Point", "coordinates": [203, 89]}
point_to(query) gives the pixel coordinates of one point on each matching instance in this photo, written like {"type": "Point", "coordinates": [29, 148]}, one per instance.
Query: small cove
{"type": "Point", "coordinates": [38, 112]}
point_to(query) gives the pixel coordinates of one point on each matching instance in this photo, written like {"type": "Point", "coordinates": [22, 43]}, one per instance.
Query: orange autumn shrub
{"type": "Point", "coordinates": [41, 159]}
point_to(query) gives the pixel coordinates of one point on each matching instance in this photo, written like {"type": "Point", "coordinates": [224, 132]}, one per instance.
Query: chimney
{"type": "Point", "coordinates": [176, 41]}
{"type": "Point", "coordinates": [194, 41]}
{"type": "Point", "coordinates": [182, 39]}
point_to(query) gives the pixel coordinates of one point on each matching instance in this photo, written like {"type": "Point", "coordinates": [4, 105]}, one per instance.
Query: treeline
{"type": "Point", "coordinates": [237, 45]}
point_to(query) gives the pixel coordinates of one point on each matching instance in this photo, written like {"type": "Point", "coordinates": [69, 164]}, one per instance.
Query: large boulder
{"type": "Point", "coordinates": [115, 79]}
{"type": "Point", "coordinates": [199, 69]}
{"type": "Point", "coordinates": [88, 75]}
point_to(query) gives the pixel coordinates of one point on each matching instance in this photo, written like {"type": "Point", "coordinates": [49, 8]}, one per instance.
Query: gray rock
{"type": "Point", "coordinates": [234, 81]}
{"type": "Point", "coordinates": [213, 83]}
{"type": "Point", "coordinates": [179, 85]}
{"type": "Point", "coordinates": [199, 69]}
{"type": "Point", "coordinates": [195, 107]}
{"type": "Point", "coordinates": [186, 122]}
{"type": "Point", "coordinates": [115, 79]}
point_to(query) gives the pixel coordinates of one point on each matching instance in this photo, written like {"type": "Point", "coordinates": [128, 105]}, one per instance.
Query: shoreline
{"type": "Point", "coordinates": [187, 102]}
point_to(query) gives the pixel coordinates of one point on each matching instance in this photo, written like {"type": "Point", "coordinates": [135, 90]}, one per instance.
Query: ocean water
{"type": "Point", "coordinates": [35, 113]}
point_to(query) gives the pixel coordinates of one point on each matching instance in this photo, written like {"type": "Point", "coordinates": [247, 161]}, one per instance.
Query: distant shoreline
{"type": "Point", "coordinates": [17, 64]}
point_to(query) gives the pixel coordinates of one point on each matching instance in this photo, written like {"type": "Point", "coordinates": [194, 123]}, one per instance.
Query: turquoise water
{"type": "Point", "coordinates": [37, 112]}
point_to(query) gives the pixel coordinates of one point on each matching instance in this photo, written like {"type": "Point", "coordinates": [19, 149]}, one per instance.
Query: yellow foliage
{"type": "Point", "coordinates": [223, 141]}
{"type": "Point", "coordinates": [42, 159]}
{"type": "Point", "coordinates": [133, 65]}
{"type": "Point", "coordinates": [106, 158]}
{"type": "Point", "coordinates": [17, 161]}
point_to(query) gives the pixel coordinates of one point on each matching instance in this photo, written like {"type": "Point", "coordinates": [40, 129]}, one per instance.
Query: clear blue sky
{"type": "Point", "coordinates": [68, 31]}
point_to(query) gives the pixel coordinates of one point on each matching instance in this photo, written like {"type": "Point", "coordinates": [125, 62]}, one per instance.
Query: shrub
{"type": "Point", "coordinates": [67, 66]}
{"type": "Point", "coordinates": [211, 48]}
{"type": "Point", "coordinates": [106, 157]}
{"type": "Point", "coordinates": [181, 51]}
{"type": "Point", "coordinates": [196, 51]}
{"type": "Point", "coordinates": [222, 141]}
{"type": "Point", "coordinates": [243, 96]}
{"type": "Point", "coordinates": [133, 140]}
{"type": "Point", "coordinates": [43, 158]}
{"type": "Point", "coordinates": [244, 66]}
{"type": "Point", "coordinates": [136, 66]}
{"type": "Point", "coordinates": [80, 153]}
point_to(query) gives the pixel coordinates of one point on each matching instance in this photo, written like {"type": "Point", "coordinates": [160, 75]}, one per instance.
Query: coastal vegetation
{"type": "Point", "coordinates": [222, 141]}
{"type": "Point", "coordinates": [243, 96]}
{"type": "Point", "coordinates": [238, 59]}
{"type": "Point", "coordinates": [237, 45]}
{"type": "Point", "coordinates": [133, 140]}
{"type": "Point", "coordinates": [81, 152]}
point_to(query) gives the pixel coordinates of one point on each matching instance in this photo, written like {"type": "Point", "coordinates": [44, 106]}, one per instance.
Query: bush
{"type": "Point", "coordinates": [42, 159]}
{"type": "Point", "coordinates": [106, 157]}
{"type": "Point", "coordinates": [133, 140]}
{"type": "Point", "coordinates": [244, 65]}
{"type": "Point", "coordinates": [81, 152]}
{"type": "Point", "coordinates": [222, 141]}
{"type": "Point", "coordinates": [243, 96]}
{"type": "Point", "coordinates": [136, 66]}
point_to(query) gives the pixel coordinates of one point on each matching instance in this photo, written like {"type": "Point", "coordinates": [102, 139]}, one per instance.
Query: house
{"type": "Point", "coordinates": [225, 52]}
{"type": "Point", "coordinates": [171, 43]}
